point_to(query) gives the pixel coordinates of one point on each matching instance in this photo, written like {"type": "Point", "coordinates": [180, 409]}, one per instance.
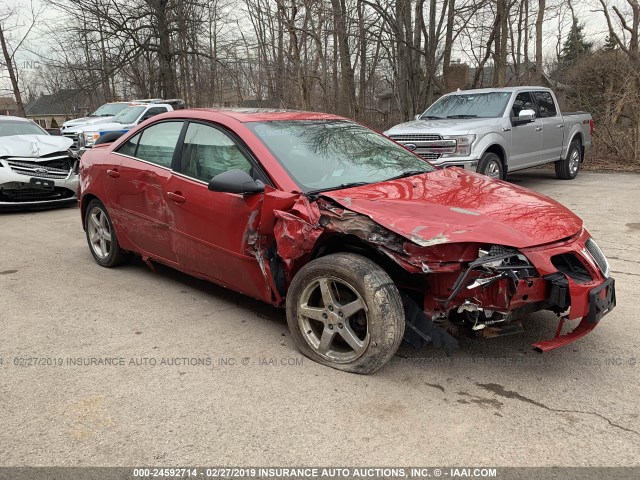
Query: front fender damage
{"type": "Point", "coordinates": [298, 223]}
{"type": "Point", "coordinates": [455, 289]}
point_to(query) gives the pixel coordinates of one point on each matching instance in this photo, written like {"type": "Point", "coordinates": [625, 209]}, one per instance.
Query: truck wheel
{"type": "Point", "coordinates": [491, 166]}
{"type": "Point", "coordinates": [567, 169]}
{"type": "Point", "coordinates": [345, 312]}
{"type": "Point", "coordinates": [101, 236]}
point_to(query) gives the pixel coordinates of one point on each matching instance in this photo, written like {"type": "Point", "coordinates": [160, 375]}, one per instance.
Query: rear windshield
{"type": "Point", "coordinates": [326, 155]}
{"type": "Point", "coordinates": [477, 105]}
{"type": "Point", "coordinates": [8, 128]}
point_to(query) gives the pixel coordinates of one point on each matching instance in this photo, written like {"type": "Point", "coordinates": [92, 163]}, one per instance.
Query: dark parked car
{"type": "Point", "coordinates": [363, 241]}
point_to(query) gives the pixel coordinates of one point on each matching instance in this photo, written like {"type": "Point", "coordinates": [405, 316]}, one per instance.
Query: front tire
{"type": "Point", "coordinates": [345, 312]}
{"type": "Point", "coordinates": [568, 168]}
{"type": "Point", "coordinates": [101, 236]}
{"type": "Point", "coordinates": [491, 166]}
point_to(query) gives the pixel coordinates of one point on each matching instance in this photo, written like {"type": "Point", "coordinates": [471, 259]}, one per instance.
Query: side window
{"type": "Point", "coordinates": [129, 147]}
{"type": "Point", "coordinates": [523, 101]}
{"type": "Point", "coordinates": [152, 112]}
{"type": "Point", "coordinates": [208, 152]}
{"type": "Point", "coordinates": [158, 143]}
{"type": "Point", "coordinates": [546, 105]}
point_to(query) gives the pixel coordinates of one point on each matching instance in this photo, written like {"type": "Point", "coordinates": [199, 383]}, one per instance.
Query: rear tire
{"type": "Point", "coordinates": [491, 166]}
{"type": "Point", "coordinates": [101, 236]}
{"type": "Point", "coordinates": [567, 169]}
{"type": "Point", "coordinates": [345, 312]}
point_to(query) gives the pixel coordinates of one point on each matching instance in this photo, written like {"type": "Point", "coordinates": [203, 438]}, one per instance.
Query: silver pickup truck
{"type": "Point", "coordinates": [498, 130]}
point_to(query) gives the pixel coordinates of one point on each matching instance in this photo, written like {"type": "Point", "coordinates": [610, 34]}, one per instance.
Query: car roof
{"type": "Point", "coordinates": [14, 119]}
{"type": "Point", "coordinates": [143, 104]}
{"type": "Point", "coordinates": [265, 114]}
{"type": "Point", "coordinates": [500, 89]}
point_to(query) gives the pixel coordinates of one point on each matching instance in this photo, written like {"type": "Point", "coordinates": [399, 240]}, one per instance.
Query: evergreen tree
{"type": "Point", "coordinates": [575, 46]}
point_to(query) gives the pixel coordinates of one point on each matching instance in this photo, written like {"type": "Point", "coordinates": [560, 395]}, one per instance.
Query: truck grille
{"type": "Point", "coordinates": [417, 137]}
{"type": "Point", "coordinates": [74, 137]}
{"type": "Point", "coordinates": [598, 257]}
{"type": "Point", "coordinates": [429, 156]}
{"type": "Point", "coordinates": [57, 168]}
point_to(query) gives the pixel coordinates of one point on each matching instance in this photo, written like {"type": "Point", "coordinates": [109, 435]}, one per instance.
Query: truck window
{"type": "Point", "coordinates": [546, 105]}
{"type": "Point", "coordinates": [523, 101]}
{"type": "Point", "coordinates": [153, 111]}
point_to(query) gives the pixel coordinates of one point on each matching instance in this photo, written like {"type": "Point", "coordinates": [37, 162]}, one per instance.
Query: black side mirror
{"type": "Point", "coordinates": [108, 137]}
{"type": "Point", "coordinates": [235, 181]}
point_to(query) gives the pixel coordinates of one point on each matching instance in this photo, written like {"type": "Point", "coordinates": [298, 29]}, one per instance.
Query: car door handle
{"type": "Point", "coordinates": [538, 129]}
{"type": "Point", "coordinates": [176, 197]}
{"type": "Point", "coordinates": [561, 125]}
{"type": "Point", "coordinates": [113, 173]}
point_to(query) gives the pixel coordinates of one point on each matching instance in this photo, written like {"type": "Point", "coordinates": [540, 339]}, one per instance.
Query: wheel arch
{"type": "Point", "coordinates": [577, 136]}
{"type": "Point", "coordinates": [498, 150]}
{"type": "Point", "coordinates": [346, 243]}
{"type": "Point", "coordinates": [86, 199]}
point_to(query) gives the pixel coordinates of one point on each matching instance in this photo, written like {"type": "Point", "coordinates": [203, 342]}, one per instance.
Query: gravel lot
{"type": "Point", "coordinates": [256, 401]}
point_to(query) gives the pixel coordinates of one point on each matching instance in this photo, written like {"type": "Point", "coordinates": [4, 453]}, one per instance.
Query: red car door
{"type": "Point", "coordinates": [212, 231]}
{"type": "Point", "coordinates": [136, 189]}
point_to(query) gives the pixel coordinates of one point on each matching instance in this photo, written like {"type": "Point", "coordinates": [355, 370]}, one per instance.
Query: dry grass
{"type": "Point", "coordinates": [599, 162]}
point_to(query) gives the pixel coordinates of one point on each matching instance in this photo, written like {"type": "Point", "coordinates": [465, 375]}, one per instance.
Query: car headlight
{"type": "Point", "coordinates": [89, 138]}
{"type": "Point", "coordinates": [463, 145]}
{"type": "Point", "coordinates": [597, 256]}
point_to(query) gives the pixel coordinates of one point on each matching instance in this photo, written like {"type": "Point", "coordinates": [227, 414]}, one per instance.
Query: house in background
{"type": "Point", "coordinates": [51, 111]}
{"type": "Point", "coordinates": [8, 106]}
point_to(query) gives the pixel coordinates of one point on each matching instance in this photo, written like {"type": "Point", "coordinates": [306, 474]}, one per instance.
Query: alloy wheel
{"type": "Point", "coordinates": [574, 161]}
{"type": "Point", "coordinates": [333, 319]}
{"type": "Point", "coordinates": [493, 169]}
{"type": "Point", "coordinates": [99, 233]}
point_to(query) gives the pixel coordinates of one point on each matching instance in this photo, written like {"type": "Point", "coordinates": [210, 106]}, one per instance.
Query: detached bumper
{"type": "Point", "coordinates": [601, 300]}
{"type": "Point", "coordinates": [588, 299]}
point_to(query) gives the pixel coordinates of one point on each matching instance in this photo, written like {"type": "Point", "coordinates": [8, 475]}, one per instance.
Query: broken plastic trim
{"type": "Point", "coordinates": [507, 270]}
{"type": "Point", "coordinates": [421, 330]}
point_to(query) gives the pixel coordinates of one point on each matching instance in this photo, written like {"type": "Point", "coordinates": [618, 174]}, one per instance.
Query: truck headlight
{"type": "Point", "coordinates": [89, 138]}
{"type": "Point", "coordinates": [463, 145]}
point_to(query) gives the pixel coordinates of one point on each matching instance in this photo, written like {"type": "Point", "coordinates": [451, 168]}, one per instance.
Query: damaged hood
{"type": "Point", "coordinates": [451, 205]}
{"type": "Point", "coordinates": [33, 146]}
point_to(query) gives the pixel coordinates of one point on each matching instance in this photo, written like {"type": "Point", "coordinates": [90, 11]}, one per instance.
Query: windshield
{"type": "Point", "coordinates": [129, 115]}
{"type": "Point", "coordinates": [8, 128]}
{"type": "Point", "coordinates": [477, 105]}
{"type": "Point", "coordinates": [327, 155]}
{"type": "Point", "coordinates": [109, 110]}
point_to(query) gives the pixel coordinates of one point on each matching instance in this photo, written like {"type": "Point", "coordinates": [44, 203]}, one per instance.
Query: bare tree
{"type": "Point", "coordinates": [9, 53]}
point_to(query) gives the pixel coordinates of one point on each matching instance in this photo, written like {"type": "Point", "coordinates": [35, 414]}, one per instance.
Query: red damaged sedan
{"type": "Point", "coordinates": [365, 243]}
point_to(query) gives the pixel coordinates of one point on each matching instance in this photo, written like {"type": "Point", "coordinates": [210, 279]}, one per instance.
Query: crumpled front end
{"type": "Point", "coordinates": [38, 182]}
{"type": "Point", "coordinates": [478, 288]}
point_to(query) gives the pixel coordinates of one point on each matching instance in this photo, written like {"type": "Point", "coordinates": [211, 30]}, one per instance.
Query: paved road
{"type": "Point", "coordinates": [496, 404]}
